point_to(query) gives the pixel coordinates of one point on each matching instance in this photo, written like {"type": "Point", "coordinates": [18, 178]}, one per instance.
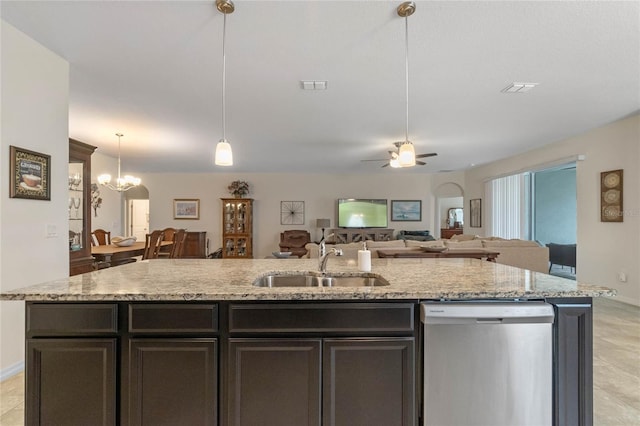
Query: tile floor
{"type": "Point", "coordinates": [616, 370]}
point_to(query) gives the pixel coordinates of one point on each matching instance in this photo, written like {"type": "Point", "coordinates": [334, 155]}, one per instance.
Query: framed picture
{"type": "Point", "coordinates": [406, 210]}
{"type": "Point", "coordinates": [611, 196]}
{"type": "Point", "coordinates": [291, 212]}
{"type": "Point", "coordinates": [186, 208]}
{"type": "Point", "coordinates": [475, 208]}
{"type": "Point", "coordinates": [30, 174]}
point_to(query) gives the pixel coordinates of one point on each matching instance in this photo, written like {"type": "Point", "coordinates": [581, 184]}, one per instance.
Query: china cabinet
{"type": "Point", "coordinates": [237, 228]}
{"type": "Point", "coordinates": [80, 259]}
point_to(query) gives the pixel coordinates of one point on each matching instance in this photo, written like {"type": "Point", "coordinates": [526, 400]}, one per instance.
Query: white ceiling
{"type": "Point", "coordinates": [153, 69]}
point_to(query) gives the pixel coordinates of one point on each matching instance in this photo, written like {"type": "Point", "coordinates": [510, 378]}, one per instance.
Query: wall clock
{"type": "Point", "coordinates": [291, 212]}
{"type": "Point", "coordinates": [611, 196]}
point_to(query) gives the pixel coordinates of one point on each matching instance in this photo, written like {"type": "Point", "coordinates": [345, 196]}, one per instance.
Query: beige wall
{"type": "Point", "coordinates": [604, 249]}
{"type": "Point", "coordinates": [109, 215]}
{"type": "Point", "coordinates": [34, 108]}
{"type": "Point", "coordinates": [319, 192]}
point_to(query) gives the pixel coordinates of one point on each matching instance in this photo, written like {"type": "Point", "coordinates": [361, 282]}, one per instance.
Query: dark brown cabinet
{"type": "Point", "coordinates": [364, 382]}
{"type": "Point", "coordinates": [274, 382]}
{"type": "Point", "coordinates": [368, 382]}
{"type": "Point", "coordinates": [71, 382]}
{"type": "Point", "coordinates": [447, 233]}
{"type": "Point", "coordinates": [80, 259]}
{"type": "Point", "coordinates": [359, 371]}
{"type": "Point", "coordinates": [173, 382]}
{"type": "Point", "coordinates": [573, 365]}
{"type": "Point", "coordinates": [196, 245]}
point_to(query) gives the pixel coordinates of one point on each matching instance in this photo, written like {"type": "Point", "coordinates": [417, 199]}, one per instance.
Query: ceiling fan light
{"type": "Point", "coordinates": [407, 155]}
{"type": "Point", "coordinates": [394, 162]}
{"type": "Point", "coordinates": [224, 156]}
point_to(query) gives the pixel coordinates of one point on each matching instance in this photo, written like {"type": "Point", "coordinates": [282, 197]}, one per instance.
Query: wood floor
{"type": "Point", "coordinates": [616, 370]}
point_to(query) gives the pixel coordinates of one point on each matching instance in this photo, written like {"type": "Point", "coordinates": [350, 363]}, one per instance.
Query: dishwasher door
{"type": "Point", "coordinates": [487, 363]}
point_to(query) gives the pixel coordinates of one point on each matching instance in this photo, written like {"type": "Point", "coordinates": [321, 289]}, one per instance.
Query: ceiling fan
{"type": "Point", "coordinates": [393, 161]}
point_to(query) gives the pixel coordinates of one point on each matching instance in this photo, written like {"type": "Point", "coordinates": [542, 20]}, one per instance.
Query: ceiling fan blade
{"type": "Point", "coordinates": [420, 163]}
{"type": "Point", "coordinates": [385, 165]}
{"type": "Point", "coordinates": [433, 154]}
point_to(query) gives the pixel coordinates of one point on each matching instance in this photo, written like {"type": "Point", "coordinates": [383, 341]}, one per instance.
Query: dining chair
{"type": "Point", "coordinates": [152, 244]}
{"type": "Point", "coordinates": [100, 237]}
{"type": "Point", "coordinates": [179, 239]}
{"type": "Point", "coordinates": [169, 233]}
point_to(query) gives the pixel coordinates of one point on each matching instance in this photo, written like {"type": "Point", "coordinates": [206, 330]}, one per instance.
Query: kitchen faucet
{"type": "Point", "coordinates": [324, 256]}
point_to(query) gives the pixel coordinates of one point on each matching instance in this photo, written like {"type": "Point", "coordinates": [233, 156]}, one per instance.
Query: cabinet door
{"type": "Point", "coordinates": [71, 382]}
{"type": "Point", "coordinates": [173, 382]}
{"type": "Point", "coordinates": [368, 382]}
{"type": "Point", "coordinates": [274, 382]}
{"type": "Point", "coordinates": [573, 375]}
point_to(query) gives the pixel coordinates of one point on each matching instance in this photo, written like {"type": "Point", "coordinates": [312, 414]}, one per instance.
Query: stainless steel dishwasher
{"type": "Point", "coordinates": [487, 363]}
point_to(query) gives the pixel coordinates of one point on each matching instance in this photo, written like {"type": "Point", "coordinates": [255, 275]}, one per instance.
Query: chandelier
{"type": "Point", "coordinates": [122, 183]}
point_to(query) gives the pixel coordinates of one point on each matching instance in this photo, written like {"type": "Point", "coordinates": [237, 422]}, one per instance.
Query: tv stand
{"type": "Point", "coordinates": [355, 235]}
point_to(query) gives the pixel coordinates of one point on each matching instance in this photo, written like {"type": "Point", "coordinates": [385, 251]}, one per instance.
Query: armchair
{"type": "Point", "coordinates": [294, 241]}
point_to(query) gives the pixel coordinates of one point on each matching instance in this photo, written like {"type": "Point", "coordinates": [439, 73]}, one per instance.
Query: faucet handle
{"type": "Point", "coordinates": [338, 252]}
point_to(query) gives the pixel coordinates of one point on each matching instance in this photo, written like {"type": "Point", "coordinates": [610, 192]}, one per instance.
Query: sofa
{"type": "Point", "coordinates": [519, 253]}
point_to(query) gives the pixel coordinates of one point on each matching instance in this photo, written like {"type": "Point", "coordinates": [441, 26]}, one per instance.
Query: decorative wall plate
{"type": "Point", "coordinates": [291, 212]}
{"type": "Point", "coordinates": [611, 196]}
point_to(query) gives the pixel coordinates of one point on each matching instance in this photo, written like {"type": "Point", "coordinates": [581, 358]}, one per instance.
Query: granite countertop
{"type": "Point", "coordinates": [231, 279]}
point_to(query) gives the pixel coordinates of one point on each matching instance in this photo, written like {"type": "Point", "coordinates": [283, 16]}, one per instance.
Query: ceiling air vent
{"type": "Point", "coordinates": [313, 84]}
{"type": "Point", "coordinates": [519, 87]}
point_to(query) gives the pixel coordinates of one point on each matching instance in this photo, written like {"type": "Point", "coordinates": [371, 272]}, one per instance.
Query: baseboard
{"type": "Point", "coordinates": [11, 371]}
{"type": "Point", "coordinates": [627, 300]}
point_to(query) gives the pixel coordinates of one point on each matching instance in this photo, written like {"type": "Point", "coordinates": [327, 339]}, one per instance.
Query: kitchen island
{"type": "Point", "coordinates": [194, 342]}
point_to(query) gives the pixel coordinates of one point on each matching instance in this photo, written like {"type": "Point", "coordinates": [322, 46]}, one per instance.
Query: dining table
{"type": "Point", "coordinates": [112, 254]}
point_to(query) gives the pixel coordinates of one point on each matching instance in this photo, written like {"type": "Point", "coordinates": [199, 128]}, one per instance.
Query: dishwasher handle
{"type": "Point", "coordinates": [487, 313]}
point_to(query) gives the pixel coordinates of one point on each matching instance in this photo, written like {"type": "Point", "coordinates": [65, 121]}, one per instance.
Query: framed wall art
{"type": "Point", "coordinates": [611, 196]}
{"type": "Point", "coordinates": [291, 212]}
{"type": "Point", "coordinates": [30, 174]}
{"type": "Point", "coordinates": [475, 210]}
{"type": "Point", "coordinates": [186, 208]}
{"type": "Point", "coordinates": [406, 210]}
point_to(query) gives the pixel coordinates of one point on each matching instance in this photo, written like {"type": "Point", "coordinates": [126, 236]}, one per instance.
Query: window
{"type": "Point", "coordinates": [508, 204]}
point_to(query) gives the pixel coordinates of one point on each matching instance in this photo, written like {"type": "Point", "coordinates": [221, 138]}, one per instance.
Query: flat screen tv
{"type": "Point", "coordinates": [362, 213]}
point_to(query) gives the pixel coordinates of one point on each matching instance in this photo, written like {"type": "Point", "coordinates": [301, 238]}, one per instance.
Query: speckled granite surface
{"type": "Point", "coordinates": [206, 279]}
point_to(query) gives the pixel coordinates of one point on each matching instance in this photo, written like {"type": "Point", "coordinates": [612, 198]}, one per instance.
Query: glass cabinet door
{"type": "Point", "coordinates": [79, 207]}
{"type": "Point", "coordinates": [237, 228]}
{"type": "Point", "coordinates": [76, 204]}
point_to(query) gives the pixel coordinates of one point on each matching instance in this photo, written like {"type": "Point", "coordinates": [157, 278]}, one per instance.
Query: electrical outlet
{"type": "Point", "coordinates": [622, 277]}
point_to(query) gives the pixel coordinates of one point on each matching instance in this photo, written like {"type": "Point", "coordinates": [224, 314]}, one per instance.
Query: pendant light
{"type": "Point", "coordinates": [224, 156]}
{"type": "Point", "coordinates": [407, 152]}
{"type": "Point", "coordinates": [122, 183]}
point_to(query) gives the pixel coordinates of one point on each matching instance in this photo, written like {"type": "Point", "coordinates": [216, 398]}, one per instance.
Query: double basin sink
{"type": "Point", "coordinates": [324, 280]}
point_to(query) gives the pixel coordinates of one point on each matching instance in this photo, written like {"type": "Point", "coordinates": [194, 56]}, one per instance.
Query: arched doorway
{"type": "Point", "coordinates": [137, 212]}
{"type": "Point", "coordinates": [447, 195]}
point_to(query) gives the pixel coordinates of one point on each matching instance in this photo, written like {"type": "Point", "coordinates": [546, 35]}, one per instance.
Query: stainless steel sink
{"type": "Point", "coordinates": [307, 280]}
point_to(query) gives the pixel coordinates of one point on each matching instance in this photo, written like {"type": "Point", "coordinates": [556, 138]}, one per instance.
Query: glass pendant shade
{"type": "Point", "coordinates": [224, 156]}
{"type": "Point", "coordinates": [407, 155]}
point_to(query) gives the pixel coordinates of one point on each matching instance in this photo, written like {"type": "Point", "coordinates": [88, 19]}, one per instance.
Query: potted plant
{"type": "Point", "coordinates": [238, 188]}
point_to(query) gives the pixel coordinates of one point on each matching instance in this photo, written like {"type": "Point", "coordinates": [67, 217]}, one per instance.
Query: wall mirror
{"type": "Point", "coordinates": [456, 217]}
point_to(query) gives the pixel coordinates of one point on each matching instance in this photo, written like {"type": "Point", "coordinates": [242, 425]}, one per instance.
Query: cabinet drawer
{"type": "Point", "coordinates": [391, 318]}
{"type": "Point", "coordinates": [173, 317]}
{"type": "Point", "coordinates": [71, 319]}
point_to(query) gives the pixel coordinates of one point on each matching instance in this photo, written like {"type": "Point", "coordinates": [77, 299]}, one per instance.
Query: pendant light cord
{"type": "Point", "coordinates": [406, 44]}
{"type": "Point", "coordinates": [119, 135]}
{"type": "Point", "coordinates": [224, 77]}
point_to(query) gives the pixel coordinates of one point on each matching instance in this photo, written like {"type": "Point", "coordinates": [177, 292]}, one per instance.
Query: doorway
{"type": "Point", "coordinates": [137, 212]}
{"type": "Point", "coordinates": [138, 218]}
